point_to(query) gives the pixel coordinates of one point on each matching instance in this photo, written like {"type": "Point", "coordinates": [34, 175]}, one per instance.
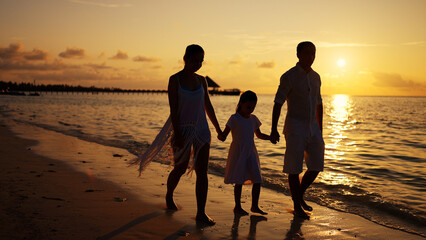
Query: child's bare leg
{"type": "Point", "coordinates": [308, 178]}
{"type": "Point", "coordinates": [295, 189]}
{"type": "Point", "coordinates": [255, 193]}
{"type": "Point", "coordinates": [237, 197]}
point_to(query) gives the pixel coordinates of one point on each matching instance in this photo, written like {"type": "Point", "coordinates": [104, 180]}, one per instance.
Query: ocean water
{"type": "Point", "coordinates": [375, 158]}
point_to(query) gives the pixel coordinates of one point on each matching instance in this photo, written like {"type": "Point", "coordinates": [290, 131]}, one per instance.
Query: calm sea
{"type": "Point", "coordinates": [375, 146]}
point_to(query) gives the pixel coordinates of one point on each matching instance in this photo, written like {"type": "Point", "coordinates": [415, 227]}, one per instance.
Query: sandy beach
{"type": "Point", "coordinates": [54, 186]}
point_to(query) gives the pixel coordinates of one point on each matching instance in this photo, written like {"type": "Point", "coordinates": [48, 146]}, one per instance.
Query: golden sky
{"type": "Point", "coordinates": [364, 47]}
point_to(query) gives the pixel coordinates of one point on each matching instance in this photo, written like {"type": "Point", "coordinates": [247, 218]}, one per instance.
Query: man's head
{"type": "Point", "coordinates": [306, 54]}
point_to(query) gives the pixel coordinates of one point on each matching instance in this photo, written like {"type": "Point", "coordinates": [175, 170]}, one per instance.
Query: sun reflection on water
{"type": "Point", "coordinates": [340, 112]}
{"type": "Point", "coordinates": [337, 145]}
{"type": "Point", "coordinates": [335, 178]}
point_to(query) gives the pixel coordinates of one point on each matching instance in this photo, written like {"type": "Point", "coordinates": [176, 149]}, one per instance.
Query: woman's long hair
{"type": "Point", "coordinates": [191, 50]}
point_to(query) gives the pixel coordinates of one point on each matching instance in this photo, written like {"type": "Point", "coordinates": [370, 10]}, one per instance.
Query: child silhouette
{"type": "Point", "coordinates": [243, 164]}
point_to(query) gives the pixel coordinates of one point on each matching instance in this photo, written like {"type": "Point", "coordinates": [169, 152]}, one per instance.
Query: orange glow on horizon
{"type": "Point", "coordinates": [138, 44]}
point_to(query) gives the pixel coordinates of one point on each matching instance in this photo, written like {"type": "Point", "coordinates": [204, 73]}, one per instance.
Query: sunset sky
{"type": "Point", "coordinates": [364, 47]}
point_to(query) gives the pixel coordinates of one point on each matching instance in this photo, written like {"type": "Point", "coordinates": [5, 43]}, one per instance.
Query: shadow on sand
{"type": "Point", "coordinates": [131, 224]}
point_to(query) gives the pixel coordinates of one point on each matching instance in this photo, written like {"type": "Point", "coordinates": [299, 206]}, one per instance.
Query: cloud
{"type": "Point", "coordinates": [18, 65]}
{"type": "Point", "coordinates": [15, 51]}
{"type": "Point", "coordinates": [394, 80]}
{"type": "Point", "coordinates": [68, 76]}
{"type": "Point", "coordinates": [99, 66]}
{"type": "Point", "coordinates": [23, 65]}
{"type": "Point", "coordinates": [101, 3]}
{"type": "Point", "coordinates": [419, 43]}
{"type": "Point", "coordinates": [329, 45]}
{"type": "Point", "coordinates": [236, 62]}
{"type": "Point", "coordinates": [59, 72]}
{"type": "Point", "coordinates": [12, 51]}
{"type": "Point", "coordinates": [102, 55]}
{"type": "Point", "coordinates": [263, 42]}
{"type": "Point", "coordinates": [36, 54]}
{"type": "Point", "coordinates": [362, 72]}
{"type": "Point", "coordinates": [266, 64]}
{"type": "Point", "coordinates": [120, 55]}
{"type": "Point", "coordinates": [73, 52]}
{"type": "Point", "coordinates": [144, 59]}
{"type": "Point", "coordinates": [81, 75]}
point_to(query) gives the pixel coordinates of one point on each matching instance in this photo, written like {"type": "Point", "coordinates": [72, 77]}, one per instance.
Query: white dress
{"type": "Point", "coordinates": [193, 127]}
{"type": "Point", "coordinates": [243, 164]}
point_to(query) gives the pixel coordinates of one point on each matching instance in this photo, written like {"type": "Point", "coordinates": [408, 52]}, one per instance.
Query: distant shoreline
{"type": "Point", "coordinates": [9, 88]}
{"type": "Point", "coordinates": [31, 93]}
{"type": "Point", "coordinates": [38, 93]}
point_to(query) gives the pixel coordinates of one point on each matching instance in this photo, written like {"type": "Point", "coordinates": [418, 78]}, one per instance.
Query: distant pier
{"type": "Point", "coordinates": [31, 89]}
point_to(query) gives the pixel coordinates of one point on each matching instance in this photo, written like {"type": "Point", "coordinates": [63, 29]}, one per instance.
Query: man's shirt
{"type": "Point", "coordinates": [301, 90]}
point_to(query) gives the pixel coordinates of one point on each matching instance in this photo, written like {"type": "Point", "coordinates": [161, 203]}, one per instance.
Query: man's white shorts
{"type": "Point", "coordinates": [304, 146]}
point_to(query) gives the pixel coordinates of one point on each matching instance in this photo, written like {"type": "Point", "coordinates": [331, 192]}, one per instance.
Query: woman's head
{"type": "Point", "coordinates": [194, 57]}
{"type": "Point", "coordinates": [247, 102]}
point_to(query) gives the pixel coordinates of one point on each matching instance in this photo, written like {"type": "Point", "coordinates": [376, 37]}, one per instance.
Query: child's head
{"type": "Point", "coordinates": [194, 57]}
{"type": "Point", "coordinates": [247, 102]}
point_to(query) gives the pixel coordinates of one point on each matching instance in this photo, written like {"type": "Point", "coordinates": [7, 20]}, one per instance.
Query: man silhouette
{"type": "Point", "coordinates": [300, 87]}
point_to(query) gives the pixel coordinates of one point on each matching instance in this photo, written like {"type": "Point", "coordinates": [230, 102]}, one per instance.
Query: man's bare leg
{"type": "Point", "coordinates": [295, 189]}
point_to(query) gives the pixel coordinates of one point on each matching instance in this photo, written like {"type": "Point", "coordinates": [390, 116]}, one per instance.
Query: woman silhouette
{"type": "Point", "coordinates": [189, 102]}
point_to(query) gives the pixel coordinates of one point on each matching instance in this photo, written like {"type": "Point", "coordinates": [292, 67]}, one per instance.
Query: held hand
{"type": "Point", "coordinates": [219, 131]}
{"type": "Point", "coordinates": [275, 136]}
{"type": "Point", "coordinates": [220, 134]}
{"type": "Point", "coordinates": [221, 137]}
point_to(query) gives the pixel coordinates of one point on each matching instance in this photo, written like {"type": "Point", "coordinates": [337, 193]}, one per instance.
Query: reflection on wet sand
{"type": "Point", "coordinates": [254, 220]}
{"type": "Point", "coordinates": [295, 231]}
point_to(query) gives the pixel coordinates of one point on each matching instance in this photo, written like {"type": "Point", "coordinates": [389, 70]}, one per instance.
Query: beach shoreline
{"type": "Point", "coordinates": [60, 187]}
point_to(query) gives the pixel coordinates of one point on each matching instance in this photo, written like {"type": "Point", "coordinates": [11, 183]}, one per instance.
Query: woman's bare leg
{"type": "Point", "coordinates": [201, 188]}
{"type": "Point", "coordinates": [173, 180]}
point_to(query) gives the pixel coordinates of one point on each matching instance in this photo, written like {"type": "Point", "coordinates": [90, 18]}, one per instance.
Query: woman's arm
{"type": "Point", "coordinates": [172, 91]}
{"type": "Point", "coordinates": [261, 135]}
{"type": "Point", "coordinates": [209, 107]}
{"type": "Point", "coordinates": [222, 137]}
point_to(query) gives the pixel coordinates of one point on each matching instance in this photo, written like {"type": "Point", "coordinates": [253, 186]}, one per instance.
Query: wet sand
{"type": "Point", "coordinates": [55, 186]}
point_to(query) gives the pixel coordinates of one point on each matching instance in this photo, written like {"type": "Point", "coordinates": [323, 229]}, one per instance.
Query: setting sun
{"type": "Point", "coordinates": [341, 62]}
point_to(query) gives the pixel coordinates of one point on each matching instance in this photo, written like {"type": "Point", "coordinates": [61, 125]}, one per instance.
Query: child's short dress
{"type": "Point", "coordinates": [243, 164]}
